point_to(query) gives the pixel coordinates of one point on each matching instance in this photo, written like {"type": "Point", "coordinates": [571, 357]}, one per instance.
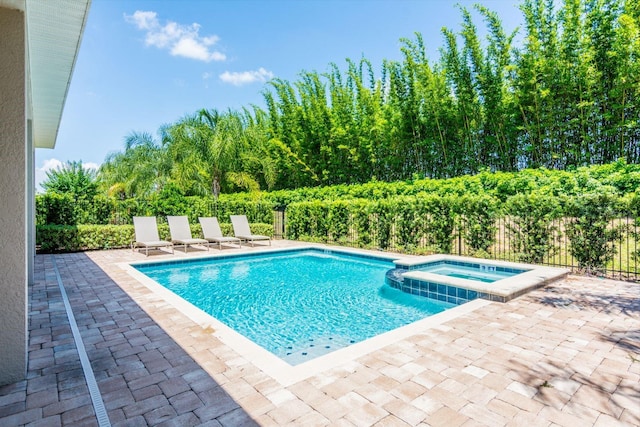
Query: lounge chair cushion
{"type": "Point", "coordinates": [146, 234]}
{"type": "Point", "coordinates": [181, 232]}
{"type": "Point", "coordinates": [212, 232]}
{"type": "Point", "coordinates": [242, 230]}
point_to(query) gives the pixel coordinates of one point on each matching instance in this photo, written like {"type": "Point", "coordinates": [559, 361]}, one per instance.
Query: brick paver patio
{"type": "Point", "coordinates": [564, 355]}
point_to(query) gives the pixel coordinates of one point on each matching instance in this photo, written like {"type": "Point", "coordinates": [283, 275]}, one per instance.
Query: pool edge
{"type": "Point", "coordinates": [271, 364]}
{"type": "Point", "coordinates": [503, 290]}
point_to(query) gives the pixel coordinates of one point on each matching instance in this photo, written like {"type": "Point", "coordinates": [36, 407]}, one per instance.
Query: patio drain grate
{"type": "Point", "coordinates": [94, 391]}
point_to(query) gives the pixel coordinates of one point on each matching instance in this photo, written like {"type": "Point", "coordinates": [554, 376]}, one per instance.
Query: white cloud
{"type": "Point", "coordinates": [246, 77]}
{"type": "Point", "coordinates": [41, 172]}
{"type": "Point", "coordinates": [143, 20]}
{"type": "Point", "coordinates": [178, 39]}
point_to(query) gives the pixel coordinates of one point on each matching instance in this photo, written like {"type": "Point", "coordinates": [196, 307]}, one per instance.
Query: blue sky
{"type": "Point", "coordinates": [146, 63]}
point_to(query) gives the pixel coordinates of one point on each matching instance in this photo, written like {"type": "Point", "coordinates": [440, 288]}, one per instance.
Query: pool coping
{"type": "Point", "coordinates": [502, 290]}
{"type": "Point", "coordinates": [272, 365]}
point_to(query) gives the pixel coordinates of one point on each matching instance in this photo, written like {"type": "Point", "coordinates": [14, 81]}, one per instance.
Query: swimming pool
{"type": "Point", "coordinates": [297, 304]}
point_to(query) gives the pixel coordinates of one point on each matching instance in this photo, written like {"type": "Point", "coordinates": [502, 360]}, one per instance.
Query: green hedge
{"type": "Point", "coordinates": [617, 178]}
{"type": "Point", "coordinates": [431, 223]}
{"type": "Point", "coordinates": [73, 238]}
{"type": "Point", "coordinates": [258, 211]}
{"type": "Point", "coordinates": [402, 222]}
{"type": "Point", "coordinates": [532, 225]}
{"type": "Point", "coordinates": [63, 209]}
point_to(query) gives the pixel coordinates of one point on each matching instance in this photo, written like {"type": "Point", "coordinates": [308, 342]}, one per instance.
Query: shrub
{"type": "Point", "coordinates": [531, 225]}
{"type": "Point", "coordinates": [73, 238]}
{"type": "Point", "coordinates": [382, 218]}
{"type": "Point", "coordinates": [478, 219]}
{"type": "Point", "coordinates": [55, 208]}
{"type": "Point", "coordinates": [54, 238]}
{"type": "Point", "coordinates": [591, 231]}
{"type": "Point", "coordinates": [308, 220]}
{"type": "Point", "coordinates": [409, 222]}
{"type": "Point", "coordinates": [169, 201]}
{"type": "Point", "coordinates": [362, 223]}
{"type": "Point", "coordinates": [440, 221]}
{"type": "Point", "coordinates": [338, 220]}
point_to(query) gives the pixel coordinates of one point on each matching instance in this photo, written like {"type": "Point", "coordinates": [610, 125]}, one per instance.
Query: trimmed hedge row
{"type": "Point", "coordinates": [404, 222]}
{"type": "Point", "coordinates": [618, 178]}
{"type": "Point", "coordinates": [73, 238]}
{"type": "Point", "coordinates": [62, 209]}
{"type": "Point", "coordinates": [430, 223]}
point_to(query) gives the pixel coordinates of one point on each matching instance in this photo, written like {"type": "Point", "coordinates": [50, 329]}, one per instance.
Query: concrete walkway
{"type": "Point", "coordinates": [565, 355]}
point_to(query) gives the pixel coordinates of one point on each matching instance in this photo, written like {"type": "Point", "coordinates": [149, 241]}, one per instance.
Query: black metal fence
{"type": "Point", "coordinates": [625, 264]}
{"type": "Point", "coordinates": [278, 223]}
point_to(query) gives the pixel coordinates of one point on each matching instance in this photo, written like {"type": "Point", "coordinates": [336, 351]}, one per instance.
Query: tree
{"type": "Point", "coordinates": [567, 96]}
{"type": "Point", "coordinates": [208, 151]}
{"type": "Point", "coordinates": [72, 178]}
{"type": "Point", "coordinates": [142, 169]}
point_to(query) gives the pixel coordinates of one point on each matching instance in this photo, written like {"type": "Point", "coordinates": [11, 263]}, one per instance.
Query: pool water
{"type": "Point", "coordinates": [479, 272]}
{"type": "Point", "coordinates": [297, 304]}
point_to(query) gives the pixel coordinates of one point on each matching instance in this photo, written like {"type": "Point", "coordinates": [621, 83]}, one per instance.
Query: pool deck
{"type": "Point", "coordinates": [567, 354]}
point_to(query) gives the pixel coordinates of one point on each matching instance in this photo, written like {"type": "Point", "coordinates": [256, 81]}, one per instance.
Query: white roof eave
{"type": "Point", "coordinates": [54, 33]}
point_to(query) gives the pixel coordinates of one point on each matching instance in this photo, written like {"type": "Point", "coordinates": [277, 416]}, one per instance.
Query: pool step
{"type": "Point", "coordinates": [436, 291]}
{"type": "Point", "coordinates": [394, 277]}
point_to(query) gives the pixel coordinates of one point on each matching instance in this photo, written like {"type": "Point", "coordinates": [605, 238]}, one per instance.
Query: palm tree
{"type": "Point", "coordinates": [209, 147]}
{"type": "Point", "coordinates": [143, 168]}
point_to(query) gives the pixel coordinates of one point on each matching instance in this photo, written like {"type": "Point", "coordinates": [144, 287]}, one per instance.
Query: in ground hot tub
{"type": "Point", "coordinates": [458, 279]}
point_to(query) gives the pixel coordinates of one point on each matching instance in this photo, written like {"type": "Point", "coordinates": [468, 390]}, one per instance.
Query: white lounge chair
{"type": "Point", "coordinates": [181, 233]}
{"type": "Point", "coordinates": [211, 231]}
{"type": "Point", "coordinates": [242, 231]}
{"type": "Point", "coordinates": [146, 230]}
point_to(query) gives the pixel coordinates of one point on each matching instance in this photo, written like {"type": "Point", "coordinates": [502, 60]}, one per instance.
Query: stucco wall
{"type": "Point", "coordinates": [13, 266]}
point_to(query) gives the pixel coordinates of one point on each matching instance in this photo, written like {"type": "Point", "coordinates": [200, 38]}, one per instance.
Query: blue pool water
{"type": "Point", "coordinates": [296, 304]}
{"type": "Point", "coordinates": [470, 271]}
